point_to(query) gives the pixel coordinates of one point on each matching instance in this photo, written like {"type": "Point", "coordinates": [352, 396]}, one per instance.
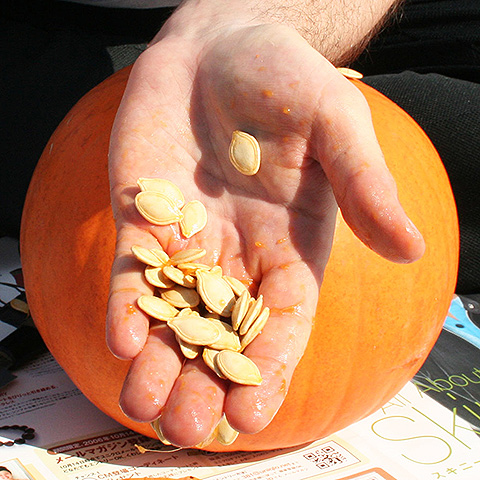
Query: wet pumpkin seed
{"type": "Point", "coordinates": [156, 277]}
{"type": "Point", "coordinates": [229, 339]}
{"type": "Point", "coordinates": [238, 368]}
{"type": "Point", "coordinates": [155, 257]}
{"type": "Point", "coordinates": [180, 297]}
{"type": "Point", "coordinates": [195, 330]}
{"type": "Point", "coordinates": [190, 268]}
{"type": "Point", "coordinates": [194, 218]}
{"type": "Point", "coordinates": [189, 350]}
{"type": "Point", "coordinates": [255, 328]}
{"type": "Point", "coordinates": [158, 431]}
{"type": "Point", "coordinates": [240, 309]}
{"type": "Point", "coordinates": [350, 73]}
{"type": "Point", "coordinates": [237, 285]}
{"type": "Point", "coordinates": [244, 153]}
{"type": "Point", "coordinates": [187, 256]}
{"type": "Point", "coordinates": [157, 208]}
{"type": "Point", "coordinates": [226, 434]}
{"type": "Point", "coordinates": [163, 186]}
{"type": "Point", "coordinates": [178, 276]}
{"type": "Point", "coordinates": [216, 293]}
{"type": "Point", "coordinates": [156, 307]}
{"type": "Point", "coordinates": [253, 312]}
{"type": "Point", "coordinates": [208, 356]}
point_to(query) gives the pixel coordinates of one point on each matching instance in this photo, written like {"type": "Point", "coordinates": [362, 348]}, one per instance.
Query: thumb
{"type": "Point", "coordinates": [348, 151]}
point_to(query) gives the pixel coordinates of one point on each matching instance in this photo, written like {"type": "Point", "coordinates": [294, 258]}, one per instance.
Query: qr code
{"type": "Point", "coordinates": [326, 457]}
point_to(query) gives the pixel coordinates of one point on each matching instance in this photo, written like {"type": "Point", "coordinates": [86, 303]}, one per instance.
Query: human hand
{"type": "Point", "coordinates": [185, 97]}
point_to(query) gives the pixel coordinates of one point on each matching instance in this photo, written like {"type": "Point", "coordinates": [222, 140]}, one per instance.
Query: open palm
{"type": "Point", "coordinates": [274, 228]}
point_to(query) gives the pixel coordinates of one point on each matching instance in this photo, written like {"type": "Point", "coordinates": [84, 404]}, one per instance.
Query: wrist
{"type": "Point", "coordinates": [339, 30]}
{"type": "Point", "coordinates": [202, 20]}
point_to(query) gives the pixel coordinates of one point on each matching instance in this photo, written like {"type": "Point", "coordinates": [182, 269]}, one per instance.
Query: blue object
{"type": "Point", "coordinates": [458, 322]}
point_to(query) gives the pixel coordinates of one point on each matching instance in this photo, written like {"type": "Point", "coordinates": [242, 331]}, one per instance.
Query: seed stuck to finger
{"type": "Point", "coordinates": [226, 434]}
{"type": "Point", "coordinates": [156, 426]}
{"type": "Point", "coordinates": [244, 153]}
{"type": "Point", "coordinates": [350, 73]}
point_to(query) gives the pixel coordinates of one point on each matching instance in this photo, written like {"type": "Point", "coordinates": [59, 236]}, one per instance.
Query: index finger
{"type": "Point", "coordinates": [127, 325]}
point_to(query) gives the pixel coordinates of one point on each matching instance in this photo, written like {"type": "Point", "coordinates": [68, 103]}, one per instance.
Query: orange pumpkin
{"type": "Point", "coordinates": [376, 321]}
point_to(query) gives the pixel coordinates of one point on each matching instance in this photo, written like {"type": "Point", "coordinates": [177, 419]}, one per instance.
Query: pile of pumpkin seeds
{"type": "Point", "coordinates": [213, 315]}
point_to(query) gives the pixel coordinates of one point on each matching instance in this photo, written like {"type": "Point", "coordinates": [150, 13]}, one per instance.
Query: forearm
{"type": "Point", "coordinates": [338, 29]}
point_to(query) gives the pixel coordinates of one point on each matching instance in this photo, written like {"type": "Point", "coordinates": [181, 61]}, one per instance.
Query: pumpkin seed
{"type": "Point", "coordinates": [161, 254]}
{"type": "Point", "coordinates": [20, 305]}
{"type": "Point", "coordinates": [204, 443]}
{"type": "Point", "coordinates": [244, 153]}
{"type": "Point", "coordinates": [238, 368]}
{"type": "Point", "coordinates": [180, 297]}
{"type": "Point", "coordinates": [187, 256]}
{"type": "Point", "coordinates": [177, 276]}
{"type": "Point", "coordinates": [156, 277]}
{"type": "Point", "coordinates": [208, 356]}
{"type": "Point", "coordinates": [350, 73]}
{"type": "Point", "coordinates": [194, 218]}
{"type": "Point", "coordinates": [156, 307]}
{"type": "Point", "coordinates": [253, 312]}
{"type": "Point", "coordinates": [226, 434]}
{"type": "Point", "coordinates": [216, 293]}
{"type": "Point", "coordinates": [163, 186]}
{"type": "Point", "coordinates": [187, 311]}
{"type": "Point", "coordinates": [237, 285]}
{"type": "Point", "coordinates": [155, 257]}
{"type": "Point", "coordinates": [158, 431]}
{"type": "Point", "coordinates": [217, 270]}
{"type": "Point", "coordinates": [255, 329]}
{"type": "Point", "coordinates": [240, 309]}
{"type": "Point", "coordinates": [229, 339]}
{"type": "Point", "coordinates": [157, 208]}
{"type": "Point", "coordinates": [189, 351]}
{"type": "Point", "coordinates": [190, 268]}
{"type": "Point", "coordinates": [195, 330]}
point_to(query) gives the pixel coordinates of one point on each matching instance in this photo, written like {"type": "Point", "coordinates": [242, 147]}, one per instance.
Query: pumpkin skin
{"type": "Point", "coordinates": [376, 321]}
